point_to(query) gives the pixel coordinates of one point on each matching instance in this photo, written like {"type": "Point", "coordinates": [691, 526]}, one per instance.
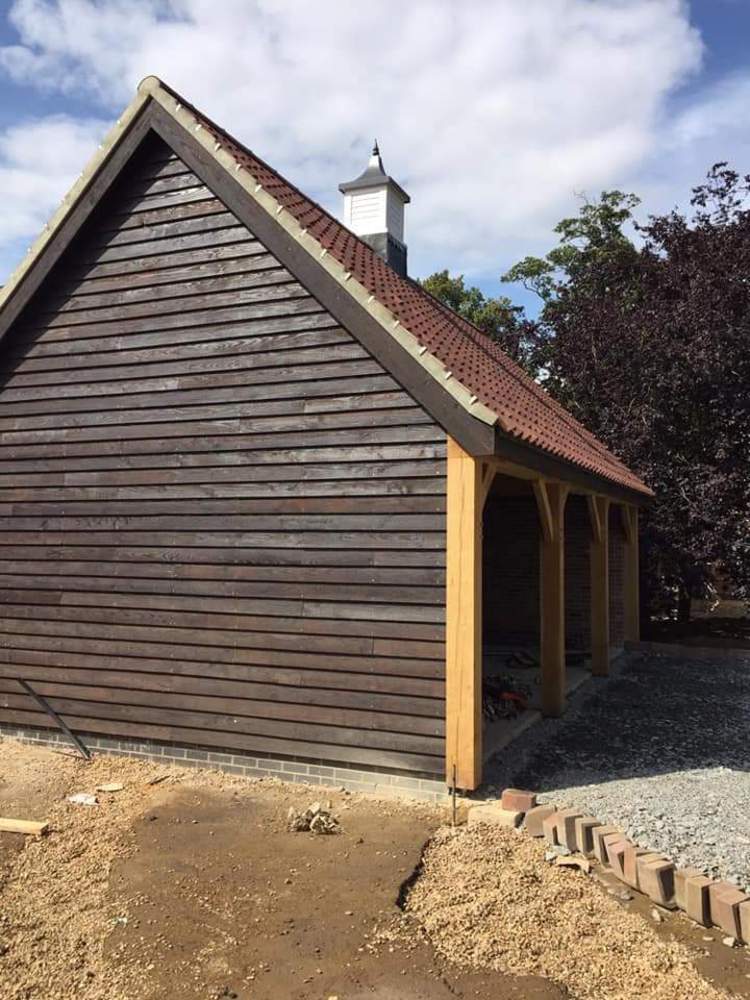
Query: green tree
{"type": "Point", "coordinates": [595, 266]}
{"type": "Point", "coordinates": [648, 343]}
{"type": "Point", "coordinates": [502, 321]}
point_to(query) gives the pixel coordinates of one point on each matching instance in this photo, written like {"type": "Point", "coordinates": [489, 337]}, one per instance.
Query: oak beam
{"type": "Point", "coordinates": [545, 512]}
{"type": "Point", "coordinates": [594, 517]}
{"type": "Point", "coordinates": [599, 575]}
{"type": "Point", "coordinates": [463, 668]}
{"type": "Point", "coordinates": [489, 471]}
{"type": "Point", "coordinates": [552, 595]}
{"type": "Point", "coordinates": [631, 594]}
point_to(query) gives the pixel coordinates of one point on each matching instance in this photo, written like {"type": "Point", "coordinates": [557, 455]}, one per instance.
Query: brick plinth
{"type": "Point", "coordinates": [379, 783]}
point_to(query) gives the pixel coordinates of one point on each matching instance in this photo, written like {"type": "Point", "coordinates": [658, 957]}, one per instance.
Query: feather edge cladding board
{"type": "Point", "coordinates": [222, 521]}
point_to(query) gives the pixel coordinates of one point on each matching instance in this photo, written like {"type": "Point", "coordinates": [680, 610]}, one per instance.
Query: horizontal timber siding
{"type": "Point", "coordinates": [221, 520]}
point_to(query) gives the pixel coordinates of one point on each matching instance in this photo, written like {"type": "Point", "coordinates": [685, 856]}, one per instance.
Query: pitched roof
{"type": "Point", "coordinates": [523, 408]}
{"type": "Point", "coordinates": [473, 368]}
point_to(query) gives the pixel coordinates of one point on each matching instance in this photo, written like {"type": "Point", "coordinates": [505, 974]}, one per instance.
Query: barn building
{"type": "Point", "coordinates": [262, 498]}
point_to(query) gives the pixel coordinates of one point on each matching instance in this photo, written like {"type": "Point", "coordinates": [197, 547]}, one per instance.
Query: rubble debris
{"type": "Point", "coordinates": [582, 864]}
{"type": "Point", "coordinates": [315, 819]}
{"type": "Point", "coordinates": [83, 799]}
{"type": "Point", "coordinates": [112, 786]}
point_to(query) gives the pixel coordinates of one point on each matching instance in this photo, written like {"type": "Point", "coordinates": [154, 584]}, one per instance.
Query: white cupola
{"type": "Point", "coordinates": [374, 210]}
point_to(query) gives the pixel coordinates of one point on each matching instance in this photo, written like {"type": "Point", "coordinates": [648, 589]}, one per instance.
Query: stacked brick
{"type": "Point", "coordinates": [706, 901]}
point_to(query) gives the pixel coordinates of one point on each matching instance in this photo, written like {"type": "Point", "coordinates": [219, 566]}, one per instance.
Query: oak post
{"type": "Point", "coordinates": [599, 575]}
{"type": "Point", "coordinates": [551, 499]}
{"type": "Point", "coordinates": [463, 668]}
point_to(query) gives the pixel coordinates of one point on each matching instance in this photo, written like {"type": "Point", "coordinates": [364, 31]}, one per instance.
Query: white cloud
{"type": "Point", "coordinates": [492, 114]}
{"type": "Point", "coordinates": [709, 128]}
{"type": "Point", "coordinates": [38, 161]}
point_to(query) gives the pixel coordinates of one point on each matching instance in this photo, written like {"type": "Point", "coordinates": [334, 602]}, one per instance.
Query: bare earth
{"type": "Point", "coordinates": [194, 888]}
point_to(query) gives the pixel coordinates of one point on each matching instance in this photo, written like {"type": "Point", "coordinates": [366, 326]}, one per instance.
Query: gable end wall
{"type": "Point", "coordinates": [221, 520]}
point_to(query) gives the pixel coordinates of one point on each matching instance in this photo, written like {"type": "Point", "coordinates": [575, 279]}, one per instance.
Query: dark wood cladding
{"type": "Point", "coordinates": [221, 519]}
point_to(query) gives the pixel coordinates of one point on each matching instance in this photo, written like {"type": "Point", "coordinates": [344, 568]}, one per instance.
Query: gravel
{"type": "Point", "coordinates": [661, 750]}
{"type": "Point", "coordinates": [55, 910]}
{"type": "Point", "coordinates": [487, 899]}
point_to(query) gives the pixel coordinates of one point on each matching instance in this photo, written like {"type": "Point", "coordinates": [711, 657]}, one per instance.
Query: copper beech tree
{"type": "Point", "coordinates": [644, 333]}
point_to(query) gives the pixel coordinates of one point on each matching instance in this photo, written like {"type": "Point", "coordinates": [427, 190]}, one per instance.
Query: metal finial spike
{"type": "Point", "coordinates": [375, 149]}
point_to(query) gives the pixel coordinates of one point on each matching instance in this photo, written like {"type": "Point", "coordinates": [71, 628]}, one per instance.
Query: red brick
{"type": "Point", "coordinates": [724, 901]}
{"type": "Point", "coordinates": [630, 863]}
{"type": "Point", "coordinates": [697, 904]}
{"type": "Point", "coordinates": [585, 826]}
{"type": "Point", "coordinates": [656, 879]}
{"type": "Point", "coordinates": [491, 814]}
{"type": "Point", "coordinates": [516, 800]}
{"type": "Point", "coordinates": [616, 855]}
{"type": "Point", "coordinates": [566, 827]}
{"type": "Point", "coordinates": [717, 887]}
{"type": "Point", "coordinates": [681, 876]}
{"type": "Point", "coordinates": [599, 835]}
{"type": "Point", "coordinates": [549, 828]}
{"type": "Point", "coordinates": [534, 818]}
{"type": "Point", "coordinates": [744, 912]}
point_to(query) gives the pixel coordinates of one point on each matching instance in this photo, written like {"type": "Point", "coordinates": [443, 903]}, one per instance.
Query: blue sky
{"type": "Point", "coordinates": [495, 115]}
{"type": "Point", "coordinates": [725, 27]}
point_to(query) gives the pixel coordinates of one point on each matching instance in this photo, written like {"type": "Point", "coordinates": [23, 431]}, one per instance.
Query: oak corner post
{"type": "Point", "coordinates": [463, 609]}
{"type": "Point", "coordinates": [551, 499]}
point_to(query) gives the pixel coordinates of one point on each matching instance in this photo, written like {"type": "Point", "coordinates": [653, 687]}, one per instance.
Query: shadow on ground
{"type": "Point", "coordinates": [659, 715]}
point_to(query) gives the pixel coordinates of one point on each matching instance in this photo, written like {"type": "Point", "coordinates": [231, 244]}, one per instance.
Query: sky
{"type": "Point", "coordinates": [495, 115]}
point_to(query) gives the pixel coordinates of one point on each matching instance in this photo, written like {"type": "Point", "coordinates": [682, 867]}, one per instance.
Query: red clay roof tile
{"type": "Point", "coordinates": [524, 409]}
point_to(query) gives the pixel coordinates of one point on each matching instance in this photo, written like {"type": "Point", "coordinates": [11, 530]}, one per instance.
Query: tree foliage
{"type": "Point", "coordinates": [497, 317]}
{"type": "Point", "coordinates": [646, 338]}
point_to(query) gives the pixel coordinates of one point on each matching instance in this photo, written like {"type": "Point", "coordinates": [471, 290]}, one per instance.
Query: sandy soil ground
{"type": "Point", "coordinates": [509, 910]}
{"type": "Point", "coordinates": [194, 887]}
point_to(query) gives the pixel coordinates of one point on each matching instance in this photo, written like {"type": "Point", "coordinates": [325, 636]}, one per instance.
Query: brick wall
{"type": "Point", "coordinates": [577, 574]}
{"type": "Point", "coordinates": [511, 571]}
{"type": "Point", "coordinates": [380, 783]}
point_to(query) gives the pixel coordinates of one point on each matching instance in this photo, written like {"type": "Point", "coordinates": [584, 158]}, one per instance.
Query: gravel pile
{"type": "Point", "coordinates": [56, 911]}
{"type": "Point", "coordinates": [487, 899]}
{"type": "Point", "coordinates": [55, 914]}
{"type": "Point", "coordinates": [662, 751]}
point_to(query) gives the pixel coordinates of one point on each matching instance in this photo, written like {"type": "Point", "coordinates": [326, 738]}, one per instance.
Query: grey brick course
{"type": "Point", "coordinates": [298, 772]}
